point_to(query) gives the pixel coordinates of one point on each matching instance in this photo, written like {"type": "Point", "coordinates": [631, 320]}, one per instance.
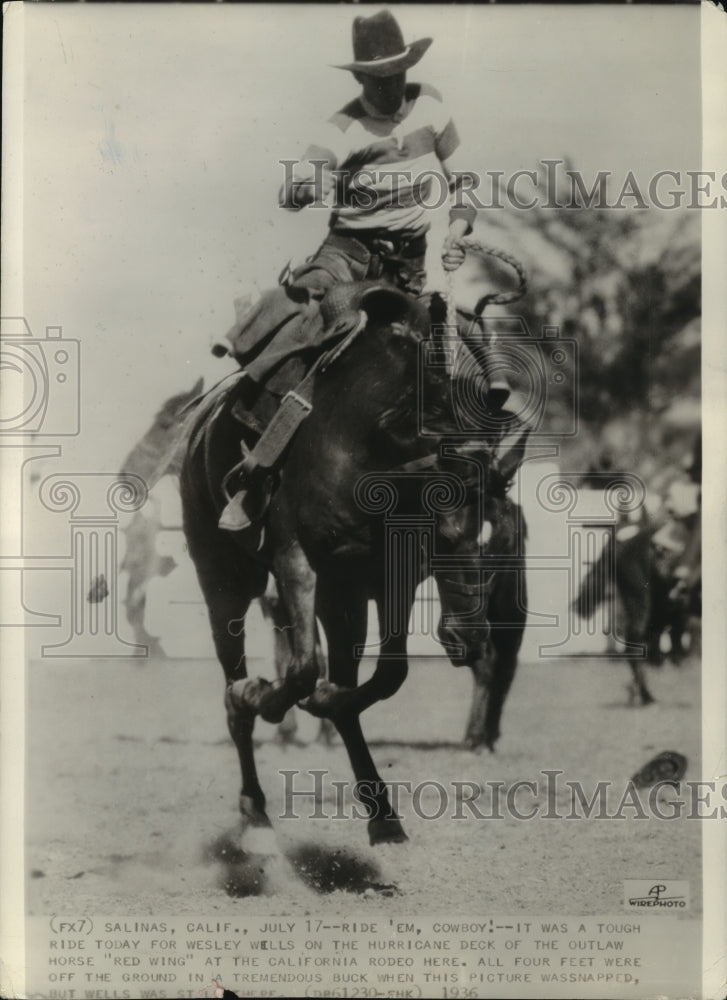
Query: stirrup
{"type": "Point", "coordinates": [234, 516]}
{"type": "Point", "coordinates": [243, 467]}
{"type": "Point", "coordinates": [246, 507]}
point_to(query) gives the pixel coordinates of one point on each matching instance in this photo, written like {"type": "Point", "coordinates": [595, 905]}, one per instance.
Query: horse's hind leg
{"type": "Point", "coordinates": [343, 611]}
{"type": "Point", "coordinates": [273, 609]}
{"type": "Point", "coordinates": [282, 650]}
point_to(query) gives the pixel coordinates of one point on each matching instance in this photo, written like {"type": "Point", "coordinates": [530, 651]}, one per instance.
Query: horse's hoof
{"type": "Point", "coordinates": [267, 700]}
{"type": "Point", "coordinates": [647, 698]}
{"type": "Point", "coordinates": [476, 742]}
{"type": "Point", "coordinates": [386, 831]}
{"type": "Point", "coordinates": [318, 702]}
{"type": "Point", "coordinates": [259, 840]}
{"type": "Point", "coordinates": [258, 836]}
{"type": "Point", "coordinates": [327, 700]}
{"type": "Point", "coordinates": [246, 694]}
{"type": "Point", "coordinates": [239, 697]}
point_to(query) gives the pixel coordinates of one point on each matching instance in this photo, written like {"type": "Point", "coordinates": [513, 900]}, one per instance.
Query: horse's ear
{"type": "Point", "coordinates": [197, 387]}
{"type": "Point", "coordinates": [510, 453]}
{"type": "Point", "coordinates": [438, 314]}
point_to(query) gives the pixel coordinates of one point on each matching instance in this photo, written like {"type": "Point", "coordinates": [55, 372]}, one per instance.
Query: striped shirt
{"type": "Point", "coordinates": [389, 170]}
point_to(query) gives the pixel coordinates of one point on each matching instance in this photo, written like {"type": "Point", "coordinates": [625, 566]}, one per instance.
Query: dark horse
{"type": "Point", "coordinates": [160, 451]}
{"type": "Point", "coordinates": [377, 492]}
{"type": "Point", "coordinates": [645, 588]}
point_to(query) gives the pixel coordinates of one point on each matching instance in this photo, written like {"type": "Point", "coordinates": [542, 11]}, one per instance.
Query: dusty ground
{"type": "Point", "coordinates": [132, 789]}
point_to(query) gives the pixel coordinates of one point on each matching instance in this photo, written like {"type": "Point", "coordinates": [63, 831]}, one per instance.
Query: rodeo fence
{"type": "Point", "coordinates": [73, 570]}
{"type": "Point", "coordinates": [69, 587]}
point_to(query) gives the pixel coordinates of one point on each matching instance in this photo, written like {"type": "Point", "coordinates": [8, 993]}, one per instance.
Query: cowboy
{"type": "Point", "coordinates": [375, 163]}
{"type": "Point", "coordinates": [377, 160]}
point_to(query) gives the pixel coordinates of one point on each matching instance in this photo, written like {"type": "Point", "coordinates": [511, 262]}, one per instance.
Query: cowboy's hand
{"type": "Point", "coordinates": [324, 183]}
{"type": "Point", "coordinates": [312, 186]}
{"type": "Point", "coordinates": [452, 253]}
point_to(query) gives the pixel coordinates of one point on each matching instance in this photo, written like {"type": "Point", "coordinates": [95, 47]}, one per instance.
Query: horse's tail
{"type": "Point", "coordinates": [593, 589]}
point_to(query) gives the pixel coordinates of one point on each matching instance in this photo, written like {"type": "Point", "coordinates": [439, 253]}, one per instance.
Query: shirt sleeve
{"type": "Point", "coordinates": [308, 179]}
{"type": "Point", "coordinates": [446, 141]}
{"type": "Point", "coordinates": [458, 169]}
{"type": "Point", "coordinates": [447, 146]}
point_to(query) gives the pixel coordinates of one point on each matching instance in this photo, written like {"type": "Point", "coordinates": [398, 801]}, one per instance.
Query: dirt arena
{"type": "Point", "coordinates": [132, 796]}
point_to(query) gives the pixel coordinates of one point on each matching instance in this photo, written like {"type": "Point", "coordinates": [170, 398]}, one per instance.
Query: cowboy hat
{"type": "Point", "coordinates": [379, 49]}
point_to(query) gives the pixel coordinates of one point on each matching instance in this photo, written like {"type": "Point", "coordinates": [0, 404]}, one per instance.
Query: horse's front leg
{"type": "Point", "coordinates": [343, 610]}
{"type": "Point", "coordinates": [493, 671]}
{"type": "Point", "coordinates": [492, 676]}
{"type": "Point", "coordinates": [274, 613]}
{"type": "Point", "coordinates": [297, 585]}
{"type": "Point", "coordinates": [482, 671]}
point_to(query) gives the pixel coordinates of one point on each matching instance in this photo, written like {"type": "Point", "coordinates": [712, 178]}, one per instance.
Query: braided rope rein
{"type": "Point", "coordinates": [468, 243]}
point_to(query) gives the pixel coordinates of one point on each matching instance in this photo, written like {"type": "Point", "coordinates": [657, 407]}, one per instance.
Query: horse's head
{"type": "Point", "coordinates": [393, 410]}
{"type": "Point", "coordinates": [463, 580]}
{"type": "Point", "coordinates": [421, 428]}
{"type": "Point", "coordinates": [473, 531]}
{"type": "Point", "coordinates": [423, 398]}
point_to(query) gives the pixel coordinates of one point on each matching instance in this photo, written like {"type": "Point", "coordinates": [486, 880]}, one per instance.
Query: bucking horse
{"type": "Point", "coordinates": [380, 488]}
{"type": "Point", "coordinates": [160, 451]}
{"type": "Point", "coordinates": [648, 597]}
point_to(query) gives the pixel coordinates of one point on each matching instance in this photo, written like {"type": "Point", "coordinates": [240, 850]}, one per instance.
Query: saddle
{"type": "Point", "coordinates": [266, 427]}
{"type": "Point", "coordinates": [278, 337]}
{"type": "Point", "coordinates": [282, 326]}
{"type": "Point", "coordinates": [282, 341]}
